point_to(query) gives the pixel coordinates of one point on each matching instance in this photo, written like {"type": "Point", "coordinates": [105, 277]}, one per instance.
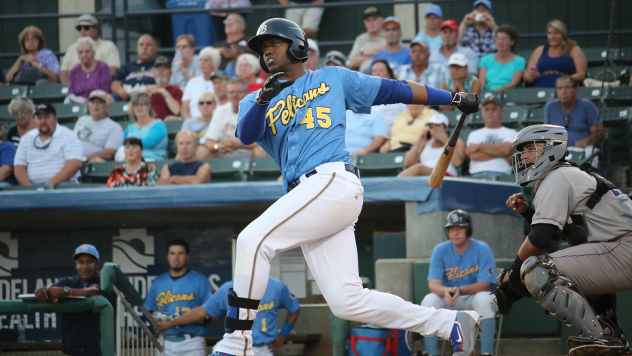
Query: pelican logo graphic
{"type": "Point", "coordinates": [262, 29]}
{"type": "Point", "coordinates": [7, 263]}
{"type": "Point", "coordinates": [133, 250]}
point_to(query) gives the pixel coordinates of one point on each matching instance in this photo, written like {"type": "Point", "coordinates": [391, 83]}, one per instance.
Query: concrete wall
{"type": "Point", "coordinates": [395, 276]}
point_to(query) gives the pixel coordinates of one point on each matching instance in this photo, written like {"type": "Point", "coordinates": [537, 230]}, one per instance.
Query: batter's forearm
{"type": "Point", "coordinates": [252, 125]}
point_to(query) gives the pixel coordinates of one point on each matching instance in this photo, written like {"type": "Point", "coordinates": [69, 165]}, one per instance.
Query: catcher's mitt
{"type": "Point", "coordinates": [508, 292]}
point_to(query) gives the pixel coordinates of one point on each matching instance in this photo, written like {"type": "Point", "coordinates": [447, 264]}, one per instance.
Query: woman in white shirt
{"type": "Point", "coordinates": [423, 155]}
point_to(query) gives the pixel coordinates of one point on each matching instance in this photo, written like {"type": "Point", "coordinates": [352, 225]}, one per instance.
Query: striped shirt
{"type": "Point", "coordinates": [44, 163]}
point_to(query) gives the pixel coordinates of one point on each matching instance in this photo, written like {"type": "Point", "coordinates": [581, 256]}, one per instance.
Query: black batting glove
{"type": "Point", "coordinates": [467, 103]}
{"type": "Point", "coordinates": [271, 88]}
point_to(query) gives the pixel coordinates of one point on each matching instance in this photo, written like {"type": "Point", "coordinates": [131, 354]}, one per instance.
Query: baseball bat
{"type": "Point", "coordinates": [438, 172]}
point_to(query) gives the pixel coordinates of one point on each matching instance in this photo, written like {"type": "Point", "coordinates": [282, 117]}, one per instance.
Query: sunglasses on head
{"type": "Point", "coordinates": [86, 27]}
{"type": "Point", "coordinates": [205, 102]}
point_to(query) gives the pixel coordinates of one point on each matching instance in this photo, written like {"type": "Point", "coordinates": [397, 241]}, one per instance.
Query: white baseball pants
{"type": "Point", "coordinates": [320, 215]}
{"type": "Point", "coordinates": [195, 346]}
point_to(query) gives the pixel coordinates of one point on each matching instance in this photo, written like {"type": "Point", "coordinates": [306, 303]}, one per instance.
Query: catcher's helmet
{"type": "Point", "coordinates": [285, 29]}
{"type": "Point", "coordinates": [459, 218]}
{"type": "Point", "coordinates": [550, 141]}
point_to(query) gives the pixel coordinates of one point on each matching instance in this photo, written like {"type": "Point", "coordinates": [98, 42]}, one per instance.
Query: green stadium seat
{"type": "Point", "coordinates": [625, 56]}
{"type": "Point", "coordinates": [118, 111]}
{"type": "Point", "coordinates": [70, 112]}
{"type": "Point", "coordinates": [54, 93]}
{"type": "Point", "coordinates": [536, 116]}
{"type": "Point", "coordinates": [613, 116]}
{"type": "Point", "coordinates": [527, 96]}
{"type": "Point", "coordinates": [125, 123]}
{"type": "Point", "coordinates": [9, 92]}
{"type": "Point", "coordinates": [172, 150]}
{"type": "Point", "coordinates": [453, 116]}
{"type": "Point", "coordinates": [4, 113]}
{"type": "Point", "coordinates": [465, 133]}
{"type": "Point", "coordinates": [600, 55]}
{"type": "Point", "coordinates": [514, 116]}
{"type": "Point", "coordinates": [593, 94]}
{"type": "Point", "coordinates": [173, 127]}
{"type": "Point", "coordinates": [526, 54]}
{"type": "Point", "coordinates": [576, 156]}
{"type": "Point", "coordinates": [70, 125]}
{"type": "Point", "coordinates": [98, 172]}
{"type": "Point", "coordinates": [611, 73]}
{"type": "Point", "coordinates": [160, 164]}
{"type": "Point", "coordinates": [473, 120]}
{"type": "Point", "coordinates": [228, 169]}
{"type": "Point", "coordinates": [487, 93]}
{"type": "Point", "coordinates": [381, 164]}
{"type": "Point", "coordinates": [263, 169]}
{"type": "Point", "coordinates": [620, 96]}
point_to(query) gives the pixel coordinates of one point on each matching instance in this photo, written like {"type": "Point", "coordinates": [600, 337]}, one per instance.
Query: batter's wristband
{"type": "Point", "coordinates": [287, 327]}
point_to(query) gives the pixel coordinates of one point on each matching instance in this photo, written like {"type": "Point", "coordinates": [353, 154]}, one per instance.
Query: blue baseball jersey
{"type": "Point", "coordinates": [264, 329]}
{"type": "Point", "coordinates": [305, 123]}
{"type": "Point", "coordinates": [475, 265]}
{"type": "Point", "coordinates": [178, 297]}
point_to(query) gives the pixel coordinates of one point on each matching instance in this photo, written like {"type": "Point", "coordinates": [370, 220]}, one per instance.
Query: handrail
{"type": "Point", "coordinates": [138, 320]}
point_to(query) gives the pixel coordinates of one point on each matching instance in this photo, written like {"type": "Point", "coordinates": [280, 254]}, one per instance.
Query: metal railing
{"type": "Point", "coordinates": [133, 336]}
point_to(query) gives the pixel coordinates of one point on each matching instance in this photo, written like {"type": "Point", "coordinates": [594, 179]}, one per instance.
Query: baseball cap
{"type": "Point", "coordinates": [434, 10]}
{"type": "Point", "coordinates": [422, 42]}
{"type": "Point", "coordinates": [313, 45]}
{"type": "Point", "coordinates": [87, 19]}
{"type": "Point", "coordinates": [450, 24]}
{"type": "Point", "coordinates": [99, 94]}
{"type": "Point", "coordinates": [45, 109]}
{"type": "Point", "coordinates": [487, 3]}
{"type": "Point", "coordinates": [219, 74]}
{"type": "Point", "coordinates": [392, 19]}
{"type": "Point", "coordinates": [162, 61]}
{"type": "Point", "coordinates": [439, 119]}
{"type": "Point", "coordinates": [86, 249]}
{"type": "Point", "coordinates": [458, 59]}
{"type": "Point", "coordinates": [493, 99]}
{"type": "Point", "coordinates": [372, 11]}
{"type": "Point", "coordinates": [336, 57]}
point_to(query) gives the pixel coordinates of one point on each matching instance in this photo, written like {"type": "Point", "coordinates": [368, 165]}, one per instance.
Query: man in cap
{"type": "Point", "coordinates": [367, 44]}
{"type": "Point", "coordinates": [489, 148]}
{"type": "Point", "coordinates": [420, 70]}
{"type": "Point", "coordinates": [165, 98]}
{"type": "Point", "coordinates": [313, 55]}
{"type": "Point", "coordinates": [100, 135]}
{"type": "Point", "coordinates": [132, 76]}
{"type": "Point", "coordinates": [80, 331]}
{"type": "Point", "coordinates": [335, 58]}
{"type": "Point", "coordinates": [88, 26]}
{"type": "Point", "coordinates": [432, 35]}
{"type": "Point", "coordinates": [220, 84]}
{"type": "Point", "coordinates": [395, 54]}
{"type": "Point", "coordinates": [480, 38]}
{"type": "Point", "coordinates": [235, 42]}
{"type": "Point", "coordinates": [51, 154]}
{"type": "Point", "coordinates": [449, 34]}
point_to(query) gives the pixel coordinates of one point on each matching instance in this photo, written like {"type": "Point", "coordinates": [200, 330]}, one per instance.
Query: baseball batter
{"type": "Point", "coordinates": [298, 118]}
{"type": "Point", "coordinates": [576, 285]}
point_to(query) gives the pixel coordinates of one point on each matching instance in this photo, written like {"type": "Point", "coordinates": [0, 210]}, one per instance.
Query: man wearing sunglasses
{"type": "Point", "coordinates": [88, 26]}
{"type": "Point", "coordinates": [51, 154]}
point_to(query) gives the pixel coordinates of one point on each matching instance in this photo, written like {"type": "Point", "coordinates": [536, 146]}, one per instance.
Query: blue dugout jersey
{"type": "Point", "coordinates": [475, 265]}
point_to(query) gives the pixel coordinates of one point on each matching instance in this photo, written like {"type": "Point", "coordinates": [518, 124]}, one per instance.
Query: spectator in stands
{"type": "Point", "coordinates": [248, 69]}
{"type": "Point", "coordinates": [186, 64]}
{"type": "Point", "coordinates": [187, 169]}
{"type": "Point", "coordinates": [2, 78]}
{"type": "Point", "coordinates": [365, 133]}
{"type": "Point", "coordinates": [421, 71]}
{"type": "Point", "coordinates": [7, 154]}
{"type": "Point", "coordinates": [367, 44]}
{"type": "Point", "coordinates": [37, 61]}
{"type": "Point", "coordinates": [79, 330]}
{"type": "Point", "coordinates": [100, 135]}
{"type": "Point", "coordinates": [308, 18]}
{"type": "Point", "coordinates": [449, 33]}
{"type": "Point", "coordinates": [489, 148]}
{"type": "Point", "coordinates": [89, 75]}
{"type": "Point", "coordinates": [407, 128]}
{"type": "Point", "coordinates": [166, 99]}
{"type": "Point", "coordinates": [51, 154]}
{"type": "Point", "coordinates": [389, 112]}
{"type": "Point", "coordinates": [480, 38]}
{"type": "Point", "coordinates": [562, 56]}
{"type": "Point", "coordinates": [220, 136]}
{"type": "Point", "coordinates": [460, 79]}
{"type": "Point", "coordinates": [207, 104]}
{"type": "Point", "coordinates": [134, 172]}
{"type": "Point", "coordinates": [22, 110]}
{"type": "Point", "coordinates": [504, 69]}
{"type": "Point", "coordinates": [395, 54]}
{"type": "Point", "coordinates": [220, 84]}
{"type": "Point", "coordinates": [133, 76]}
{"type": "Point", "coordinates": [424, 154]}
{"type": "Point", "coordinates": [313, 55]}
{"type": "Point", "coordinates": [335, 58]}
{"type": "Point", "coordinates": [218, 18]}
{"type": "Point", "coordinates": [106, 51]}
{"type": "Point", "coordinates": [235, 44]}
{"type": "Point", "coordinates": [579, 116]}
{"type": "Point", "coordinates": [151, 131]}
{"type": "Point", "coordinates": [461, 273]}
{"type": "Point", "coordinates": [209, 60]}
{"type": "Point", "coordinates": [432, 35]}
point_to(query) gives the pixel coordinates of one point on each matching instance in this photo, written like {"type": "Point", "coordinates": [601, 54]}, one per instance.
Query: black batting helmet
{"type": "Point", "coordinates": [285, 29]}
{"type": "Point", "coordinates": [459, 218]}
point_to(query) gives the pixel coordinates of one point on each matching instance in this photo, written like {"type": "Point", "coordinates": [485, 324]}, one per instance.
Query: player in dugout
{"type": "Point", "coordinates": [265, 335]}
{"type": "Point", "coordinates": [298, 118]}
{"type": "Point", "coordinates": [174, 294]}
{"type": "Point", "coordinates": [80, 331]}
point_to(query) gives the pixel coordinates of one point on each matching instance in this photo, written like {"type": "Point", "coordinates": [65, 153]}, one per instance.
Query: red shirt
{"type": "Point", "coordinates": [160, 105]}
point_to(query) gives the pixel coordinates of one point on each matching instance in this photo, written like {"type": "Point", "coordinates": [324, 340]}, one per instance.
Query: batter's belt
{"type": "Point", "coordinates": [293, 184]}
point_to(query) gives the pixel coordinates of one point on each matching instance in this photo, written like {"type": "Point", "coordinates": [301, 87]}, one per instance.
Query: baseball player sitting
{"type": "Point", "coordinates": [461, 273]}
{"type": "Point", "coordinates": [173, 295]}
{"type": "Point", "coordinates": [265, 336]}
{"type": "Point", "coordinates": [577, 284]}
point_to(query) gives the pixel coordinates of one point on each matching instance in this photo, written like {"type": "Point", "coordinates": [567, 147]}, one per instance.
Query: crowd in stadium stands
{"type": "Point", "coordinates": [202, 91]}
